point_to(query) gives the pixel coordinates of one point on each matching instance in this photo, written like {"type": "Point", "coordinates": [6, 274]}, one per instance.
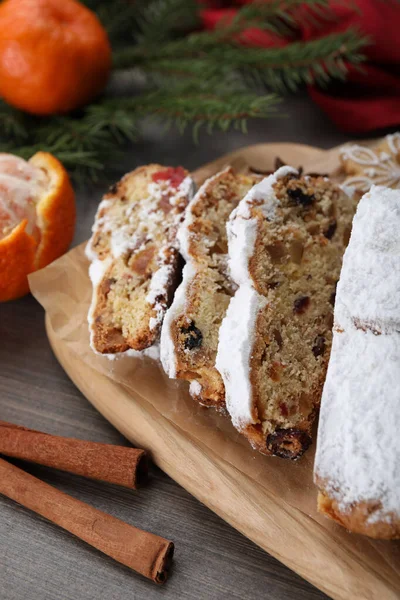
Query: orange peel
{"type": "Point", "coordinates": [37, 218]}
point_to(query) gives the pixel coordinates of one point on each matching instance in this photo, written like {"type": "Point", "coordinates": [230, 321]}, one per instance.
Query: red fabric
{"type": "Point", "coordinates": [370, 97]}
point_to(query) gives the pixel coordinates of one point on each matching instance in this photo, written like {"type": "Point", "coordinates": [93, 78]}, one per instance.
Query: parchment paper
{"type": "Point", "coordinates": [64, 290]}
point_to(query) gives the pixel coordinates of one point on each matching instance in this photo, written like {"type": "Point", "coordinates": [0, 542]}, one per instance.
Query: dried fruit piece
{"type": "Point", "coordinates": [274, 371]}
{"type": "Point", "coordinates": [106, 286]}
{"type": "Point", "coordinates": [278, 338]}
{"type": "Point", "coordinates": [288, 443]}
{"type": "Point", "coordinates": [194, 337]}
{"type": "Point", "coordinates": [301, 304]}
{"type": "Point", "coordinates": [333, 296]}
{"type": "Point", "coordinates": [284, 409]}
{"type": "Point", "coordinates": [276, 251]}
{"type": "Point", "coordinates": [319, 346]}
{"type": "Point", "coordinates": [296, 251]}
{"type": "Point", "coordinates": [300, 197]}
{"type": "Point", "coordinates": [175, 175]}
{"type": "Point", "coordinates": [330, 232]}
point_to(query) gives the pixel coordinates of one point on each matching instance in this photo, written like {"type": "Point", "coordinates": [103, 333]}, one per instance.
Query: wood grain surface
{"type": "Point", "coordinates": [212, 560]}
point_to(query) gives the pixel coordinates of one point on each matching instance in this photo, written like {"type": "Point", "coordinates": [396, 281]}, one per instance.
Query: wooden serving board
{"type": "Point", "coordinates": [271, 501]}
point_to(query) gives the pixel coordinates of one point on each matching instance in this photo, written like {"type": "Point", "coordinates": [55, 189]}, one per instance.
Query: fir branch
{"type": "Point", "coordinates": [184, 105]}
{"type": "Point", "coordinates": [85, 142]}
{"type": "Point", "coordinates": [287, 68]}
{"type": "Point", "coordinates": [97, 138]}
{"type": "Point", "coordinates": [281, 69]}
{"type": "Point", "coordinates": [159, 19]}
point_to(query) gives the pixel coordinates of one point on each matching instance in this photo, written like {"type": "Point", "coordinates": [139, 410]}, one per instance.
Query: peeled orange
{"type": "Point", "coordinates": [37, 218]}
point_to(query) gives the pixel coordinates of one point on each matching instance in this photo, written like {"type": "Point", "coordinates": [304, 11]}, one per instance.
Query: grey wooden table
{"type": "Point", "coordinates": [212, 560]}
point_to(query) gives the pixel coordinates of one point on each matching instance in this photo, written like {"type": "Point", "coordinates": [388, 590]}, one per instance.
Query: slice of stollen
{"type": "Point", "coordinates": [189, 335]}
{"type": "Point", "coordinates": [286, 241]}
{"type": "Point", "coordinates": [135, 265]}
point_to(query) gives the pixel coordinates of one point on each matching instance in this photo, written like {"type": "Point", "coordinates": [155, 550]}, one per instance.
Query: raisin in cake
{"type": "Point", "coordinates": [135, 260]}
{"type": "Point", "coordinates": [189, 335]}
{"type": "Point", "coordinates": [286, 241]}
{"type": "Point", "coordinates": [357, 465]}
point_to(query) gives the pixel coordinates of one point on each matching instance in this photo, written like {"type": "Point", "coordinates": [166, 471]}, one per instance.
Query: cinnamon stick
{"type": "Point", "coordinates": [115, 464]}
{"type": "Point", "coordinates": [144, 552]}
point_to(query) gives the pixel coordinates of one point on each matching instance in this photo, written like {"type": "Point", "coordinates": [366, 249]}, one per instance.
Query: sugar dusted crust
{"type": "Point", "coordinates": [357, 460]}
{"type": "Point", "coordinates": [135, 263]}
{"type": "Point", "coordinates": [236, 339]}
{"type": "Point", "coordinates": [286, 242]}
{"type": "Point", "coordinates": [190, 333]}
{"type": "Point", "coordinates": [360, 517]}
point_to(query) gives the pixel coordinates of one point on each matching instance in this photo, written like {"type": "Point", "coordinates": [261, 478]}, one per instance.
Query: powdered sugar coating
{"type": "Point", "coordinates": [357, 449]}
{"type": "Point", "coordinates": [159, 284]}
{"type": "Point", "coordinates": [242, 234]}
{"type": "Point", "coordinates": [358, 454]}
{"type": "Point", "coordinates": [99, 222]}
{"type": "Point", "coordinates": [195, 388]}
{"type": "Point", "coordinates": [236, 337]}
{"type": "Point", "coordinates": [97, 270]}
{"type": "Point", "coordinates": [186, 189]}
{"type": "Point", "coordinates": [242, 228]}
{"type": "Point", "coordinates": [167, 346]}
{"type": "Point", "coordinates": [130, 232]}
{"type": "Point", "coordinates": [369, 286]}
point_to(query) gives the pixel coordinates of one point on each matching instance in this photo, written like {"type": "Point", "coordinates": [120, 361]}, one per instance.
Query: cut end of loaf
{"type": "Point", "coordinates": [356, 464]}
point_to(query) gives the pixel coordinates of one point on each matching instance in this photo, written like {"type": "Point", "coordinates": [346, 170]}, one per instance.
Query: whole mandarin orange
{"type": "Point", "coordinates": [37, 218]}
{"type": "Point", "coordinates": [54, 55]}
